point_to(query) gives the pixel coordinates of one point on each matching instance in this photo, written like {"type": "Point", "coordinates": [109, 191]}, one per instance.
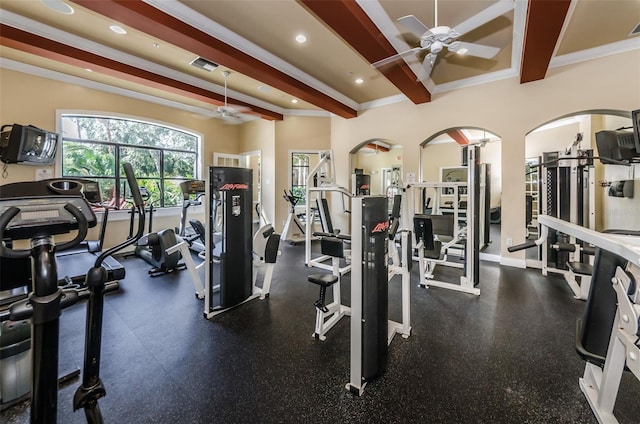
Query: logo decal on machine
{"type": "Point", "coordinates": [380, 227]}
{"type": "Point", "coordinates": [232, 186]}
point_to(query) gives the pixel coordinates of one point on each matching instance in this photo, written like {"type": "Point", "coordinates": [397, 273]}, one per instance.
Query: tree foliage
{"type": "Point", "coordinates": [161, 157]}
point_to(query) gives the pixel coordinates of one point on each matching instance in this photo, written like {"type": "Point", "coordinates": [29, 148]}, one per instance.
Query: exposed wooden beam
{"type": "Point", "coordinates": [351, 23]}
{"type": "Point", "coordinates": [458, 136]}
{"type": "Point", "coordinates": [146, 18]}
{"type": "Point", "coordinates": [40, 46]}
{"type": "Point", "coordinates": [377, 147]}
{"type": "Point", "coordinates": [544, 23]}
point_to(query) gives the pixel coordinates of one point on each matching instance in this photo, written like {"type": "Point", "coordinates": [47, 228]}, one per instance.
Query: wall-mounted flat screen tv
{"type": "Point", "coordinates": [27, 144]}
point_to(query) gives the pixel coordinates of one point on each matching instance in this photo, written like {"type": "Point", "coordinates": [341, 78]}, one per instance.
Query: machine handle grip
{"type": "Point", "coordinates": [6, 252]}
{"type": "Point", "coordinates": [83, 227]}
{"type": "Point", "coordinates": [528, 244]}
{"type": "Point", "coordinates": [139, 206]}
{"type": "Point", "coordinates": [11, 212]}
{"type": "Point", "coordinates": [133, 185]}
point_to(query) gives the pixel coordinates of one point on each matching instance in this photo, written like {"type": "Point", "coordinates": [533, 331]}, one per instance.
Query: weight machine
{"type": "Point", "coordinates": [230, 281]}
{"type": "Point", "coordinates": [321, 180]}
{"type": "Point", "coordinates": [371, 329]}
{"type": "Point", "coordinates": [567, 191]}
{"type": "Point", "coordinates": [471, 231]}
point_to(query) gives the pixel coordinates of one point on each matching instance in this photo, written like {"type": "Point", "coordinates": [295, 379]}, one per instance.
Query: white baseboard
{"type": "Point", "coordinates": [517, 263]}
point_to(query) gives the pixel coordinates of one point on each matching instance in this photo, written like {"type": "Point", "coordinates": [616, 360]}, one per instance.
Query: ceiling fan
{"type": "Point", "coordinates": [232, 114]}
{"type": "Point", "coordinates": [434, 40]}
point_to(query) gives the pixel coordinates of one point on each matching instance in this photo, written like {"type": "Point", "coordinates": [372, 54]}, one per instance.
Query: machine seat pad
{"type": "Point", "coordinates": [324, 280]}
{"type": "Point", "coordinates": [580, 268]}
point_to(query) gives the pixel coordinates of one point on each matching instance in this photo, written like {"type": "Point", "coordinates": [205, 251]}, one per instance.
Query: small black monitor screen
{"type": "Point", "coordinates": [36, 143]}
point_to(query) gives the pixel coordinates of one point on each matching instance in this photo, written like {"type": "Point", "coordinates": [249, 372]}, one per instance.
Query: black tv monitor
{"type": "Point", "coordinates": [635, 117]}
{"type": "Point", "coordinates": [615, 146]}
{"type": "Point", "coordinates": [27, 144]}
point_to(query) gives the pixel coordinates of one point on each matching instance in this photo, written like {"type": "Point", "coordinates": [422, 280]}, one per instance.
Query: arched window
{"type": "Point", "coordinates": [95, 147]}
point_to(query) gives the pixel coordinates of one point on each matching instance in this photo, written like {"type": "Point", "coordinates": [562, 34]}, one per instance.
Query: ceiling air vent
{"type": "Point", "coordinates": [635, 30]}
{"type": "Point", "coordinates": [203, 63]}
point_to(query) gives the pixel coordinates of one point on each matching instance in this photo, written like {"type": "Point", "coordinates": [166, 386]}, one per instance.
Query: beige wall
{"type": "Point", "coordinates": [372, 164]}
{"type": "Point", "coordinates": [259, 135]}
{"type": "Point", "coordinates": [506, 108]}
{"type": "Point", "coordinates": [296, 133]}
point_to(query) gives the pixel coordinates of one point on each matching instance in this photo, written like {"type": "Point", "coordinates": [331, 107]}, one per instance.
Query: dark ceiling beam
{"type": "Point", "coordinates": [43, 47]}
{"type": "Point", "coordinates": [458, 136]}
{"type": "Point", "coordinates": [146, 18]}
{"type": "Point", "coordinates": [377, 147]}
{"type": "Point", "coordinates": [351, 23]}
{"type": "Point", "coordinates": [544, 23]}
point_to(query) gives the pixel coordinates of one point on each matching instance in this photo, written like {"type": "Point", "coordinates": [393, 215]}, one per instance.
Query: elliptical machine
{"type": "Point", "coordinates": [51, 208]}
{"type": "Point", "coordinates": [152, 247]}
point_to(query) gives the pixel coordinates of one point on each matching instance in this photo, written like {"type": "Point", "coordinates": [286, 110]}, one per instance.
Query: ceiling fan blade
{"type": "Point", "coordinates": [237, 108]}
{"type": "Point", "coordinates": [427, 65]}
{"type": "Point", "coordinates": [479, 50]}
{"type": "Point", "coordinates": [395, 57]}
{"type": "Point", "coordinates": [413, 24]}
{"type": "Point", "coordinates": [488, 14]}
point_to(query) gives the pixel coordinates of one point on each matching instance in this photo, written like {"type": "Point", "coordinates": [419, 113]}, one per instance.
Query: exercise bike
{"type": "Point", "coordinates": [36, 211]}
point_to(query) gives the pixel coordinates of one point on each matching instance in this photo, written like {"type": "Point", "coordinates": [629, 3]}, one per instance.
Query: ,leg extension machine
{"type": "Point", "coordinates": [328, 315]}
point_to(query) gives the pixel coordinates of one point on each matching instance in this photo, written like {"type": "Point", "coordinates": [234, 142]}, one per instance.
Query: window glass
{"type": "Point", "coordinates": [161, 157]}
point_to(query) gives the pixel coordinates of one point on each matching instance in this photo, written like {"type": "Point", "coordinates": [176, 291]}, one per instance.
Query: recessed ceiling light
{"type": "Point", "coordinates": [118, 29]}
{"type": "Point", "coordinates": [294, 100]}
{"type": "Point", "coordinates": [359, 81]}
{"type": "Point", "coordinates": [264, 88]}
{"type": "Point", "coordinates": [59, 6]}
{"type": "Point", "coordinates": [156, 45]}
{"type": "Point", "coordinates": [88, 70]}
{"type": "Point", "coordinates": [462, 51]}
{"type": "Point", "coordinates": [300, 38]}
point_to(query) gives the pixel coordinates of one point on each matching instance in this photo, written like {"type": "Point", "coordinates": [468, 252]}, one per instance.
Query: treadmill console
{"type": "Point", "coordinates": [42, 208]}
{"type": "Point", "coordinates": [191, 187]}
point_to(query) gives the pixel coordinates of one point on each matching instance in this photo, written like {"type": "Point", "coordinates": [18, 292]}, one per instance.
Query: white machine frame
{"type": "Point", "coordinates": [325, 321]}
{"type": "Point", "coordinates": [467, 285]}
{"type": "Point", "coordinates": [258, 262]}
{"type": "Point", "coordinates": [601, 386]}
{"type": "Point", "coordinates": [324, 173]}
{"type": "Point", "coordinates": [291, 224]}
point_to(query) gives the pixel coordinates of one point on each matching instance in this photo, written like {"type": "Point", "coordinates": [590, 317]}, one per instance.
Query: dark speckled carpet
{"type": "Point", "coordinates": [504, 357]}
